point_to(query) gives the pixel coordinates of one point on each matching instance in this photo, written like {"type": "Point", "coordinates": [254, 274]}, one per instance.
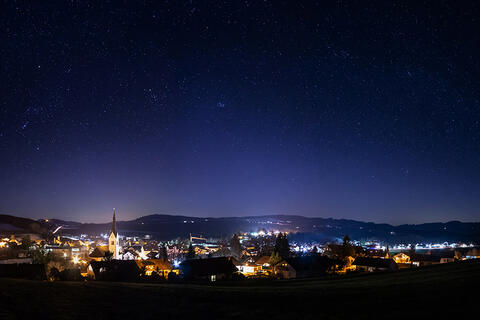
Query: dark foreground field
{"type": "Point", "coordinates": [443, 291]}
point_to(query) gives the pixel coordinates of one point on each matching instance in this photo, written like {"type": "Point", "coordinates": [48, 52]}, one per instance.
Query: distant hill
{"type": "Point", "coordinates": [16, 225]}
{"type": "Point", "coordinates": [170, 227]}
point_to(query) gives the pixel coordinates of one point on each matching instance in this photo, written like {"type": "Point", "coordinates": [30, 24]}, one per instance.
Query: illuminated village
{"type": "Point", "coordinates": [266, 254]}
{"type": "Point", "coordinates": [267, 160]}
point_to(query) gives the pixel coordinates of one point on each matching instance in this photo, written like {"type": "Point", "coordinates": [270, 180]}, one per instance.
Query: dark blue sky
{"type": "Point", "coordinates": [361, 110]}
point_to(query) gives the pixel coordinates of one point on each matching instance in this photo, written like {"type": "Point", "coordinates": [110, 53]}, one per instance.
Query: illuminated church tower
{"type": "Point", "coordinates": [113, 238]}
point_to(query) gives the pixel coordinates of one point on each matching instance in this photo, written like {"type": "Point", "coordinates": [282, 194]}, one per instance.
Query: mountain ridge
{"type": "Point", "coordinates": [166, 227]}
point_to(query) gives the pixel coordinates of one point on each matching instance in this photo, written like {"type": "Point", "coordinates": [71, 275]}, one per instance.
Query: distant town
{"type": "Point", "coordinates": [262, 254]}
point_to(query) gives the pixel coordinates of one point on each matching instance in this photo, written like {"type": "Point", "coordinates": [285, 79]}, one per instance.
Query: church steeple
{"type": "Point", "coordinates": [114, 224]}
{"type": "Point", "coordinates": [113, 243]}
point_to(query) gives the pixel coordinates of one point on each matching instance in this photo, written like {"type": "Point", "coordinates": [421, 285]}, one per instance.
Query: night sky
{"type": "Point", "coordinates": [363, 110]}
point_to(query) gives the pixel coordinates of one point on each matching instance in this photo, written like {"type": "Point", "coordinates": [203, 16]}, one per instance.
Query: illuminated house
{"type": "Point", "coordinates": [113, 245]}
{"type": "Point", "coordinates": [130, 255]}
{"type": "Point", "coordinates": [375, 264]}
{"type": "Point", "coordinates": [260, 267]}
{"type": "Point", "coordinates": [263, 265]}
{"type": "Point", "coordinates": [473, 254]}
{"type": "Point", "coordinates": [401, 258]}
{"type": "Point", "coordinates": [161, 266]}
{"type": "Point", "coordinates": [98, 254]}
{"type": "Point", "coordinates": [248, 268]}
{"type": "Point", "coordinates": [431, 258]}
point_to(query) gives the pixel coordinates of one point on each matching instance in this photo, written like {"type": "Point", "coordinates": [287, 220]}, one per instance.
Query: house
{"type": "Point", "coordinates": [251, 267]}
{"type": "Point", "coordinates": [421, 260]}
{"type": "Point", "coordinates": [401, 258]}
{"type": "Point", "coordinates": [211, 269]}
{"type": "Point", "coordinates": [153, 255]}
{"type": "Point", "coordinates": [115, 270]}
{"type": "Point", "coordinates": [375, 264]}
{"type": "Point", "coordinates": [98, 254]}
{"type": "Point", "coordinates": [130, 255]}
{"type": "Point", "coordinates": [13, 254]}
{"type": "Point", "coordinates": [284, 270]}
{"type": "Point", "coordinates": [151, 246]}
{"type": "Point", "coordinates": [64, 251]}
{"type": "Point", "coordinates": [263, 265]}
{"type": "Point", "coordinates": [305, 267]}
{"type": "Point", "coordinates": [161, 266]}
{"type": "Point", "coordinates": [263, 261]}
{"type": "Point", "coordinates": [137, 251]}
{"type": "Point", "coordinates": [435, 257]}
{"type": "Point", "coordinates": [375, 253]}
{"type": "Point", "coordinates": [473, 254]}
{"type": "Point", "coordinates": [248, 268]}
{"type": "Point", "coordinates": [447, 259]}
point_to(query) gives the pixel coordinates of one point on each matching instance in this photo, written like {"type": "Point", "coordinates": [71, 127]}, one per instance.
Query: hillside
{"type": "Point", "coordinates": [165, 227]}
{"type": "Point", "coordinates": [15, 225]}
{"type": "Point", "coordinates": [434, 292]}
{"type": "Point", "coordinates": [169, 227]}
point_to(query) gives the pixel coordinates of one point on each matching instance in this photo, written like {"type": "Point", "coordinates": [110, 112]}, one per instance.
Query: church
{"type": "Point", "coordinates": [113, 243]}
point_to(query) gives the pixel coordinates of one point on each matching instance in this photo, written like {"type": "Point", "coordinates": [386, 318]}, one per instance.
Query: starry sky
{"type": "Point", "coordinates": [366, 110]}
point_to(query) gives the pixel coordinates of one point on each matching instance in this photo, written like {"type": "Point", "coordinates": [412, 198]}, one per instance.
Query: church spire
{"type": "Point", "coordinates": [114, 224]}
{"type": "Point", "coordinates": [113, 244]}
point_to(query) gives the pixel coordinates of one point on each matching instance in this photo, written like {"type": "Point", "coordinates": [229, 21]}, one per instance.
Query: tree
{"type": "Point", "coordinates": [221, 252]}
{"type": "Point", "coordinates": [348, 250]}
{"type": "Point", "coordinates": [265, 245]}
{"type": "Point", "coordinates": [163, 254]}
{"type": "Point", "coordinates": [143, 271]}
{"type": "Point", "coordinates": [314, 250]}
{"type": "Point", "coordinates": [54, 274]}
{"type": "Point", "coordinates": [282, 247]}
{"type": "Point", "coordinates": [41, 256]}
{"type": "Point", "coordinates": [275, 258]}
{"type": "Point", "coordinates": [343, 252]}
{"type": "Point", "coordinates": [412, 250]}
{"type": "Point", "coordinates": [235, 246]}
{"type": "Point", "coordinates": [108, 256]}
{"type": "Point", "coordinates": [334, 250]}
{"type": "Point", "coordinates": [26, 242]}
{"type": "Point", "coordinates": [172, 276]}
{"type": "Point", "coordinates": [191, 252]}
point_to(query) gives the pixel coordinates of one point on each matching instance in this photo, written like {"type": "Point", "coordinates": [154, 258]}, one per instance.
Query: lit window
{"type": "Point", "coordinates": [213, 277]}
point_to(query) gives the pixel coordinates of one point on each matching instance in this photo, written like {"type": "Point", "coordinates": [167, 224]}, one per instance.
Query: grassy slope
{"type": "Point", "coordinates": [443, 290]}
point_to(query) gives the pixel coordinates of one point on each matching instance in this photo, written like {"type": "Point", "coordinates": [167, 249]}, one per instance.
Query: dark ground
{"type": "Point", "coordinates": [442, 291]}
